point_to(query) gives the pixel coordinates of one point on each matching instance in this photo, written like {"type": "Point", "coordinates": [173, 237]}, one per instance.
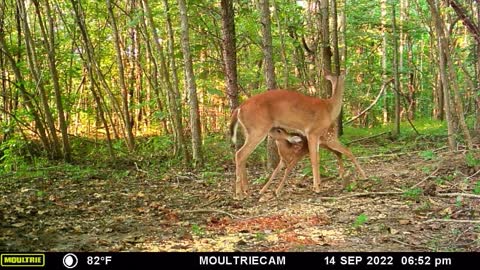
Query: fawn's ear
{"type": "Point", "coordinates": [294, 139]}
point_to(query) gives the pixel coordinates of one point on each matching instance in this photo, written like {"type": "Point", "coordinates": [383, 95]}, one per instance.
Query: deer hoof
{"type": "Point", "coordinates": [316, 189]}
{"type": "Point", "coordinates": [239, 196]}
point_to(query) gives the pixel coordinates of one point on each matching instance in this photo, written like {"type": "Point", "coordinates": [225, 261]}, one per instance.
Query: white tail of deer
{"type": "Point", "coordinates": [292, 147]}
{"type": "Point", "coordinates": [288, 109]}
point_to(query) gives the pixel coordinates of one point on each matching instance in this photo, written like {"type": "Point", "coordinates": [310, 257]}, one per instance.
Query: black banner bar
{"type": "Point", "coordinates": [237, 260]}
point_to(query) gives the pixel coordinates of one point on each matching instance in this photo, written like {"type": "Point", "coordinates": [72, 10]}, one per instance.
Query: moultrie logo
{"type": "Point", "coordinates": [22, 259]}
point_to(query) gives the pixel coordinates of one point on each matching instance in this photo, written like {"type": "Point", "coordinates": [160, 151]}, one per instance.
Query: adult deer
{"type": "Point", "coordinates": [281, 108]}
{"type": "Point", "coordinates": [292, 147]}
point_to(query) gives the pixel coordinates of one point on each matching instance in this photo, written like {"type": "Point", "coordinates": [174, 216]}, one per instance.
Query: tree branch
{"type": "Point", "coordinates": [471, 26]}
{"type": "Point", "coordinates": [384, 86]}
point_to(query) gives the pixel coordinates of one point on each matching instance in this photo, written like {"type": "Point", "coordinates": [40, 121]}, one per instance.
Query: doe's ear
{"type": "Point", "coordinates": [327, 74]}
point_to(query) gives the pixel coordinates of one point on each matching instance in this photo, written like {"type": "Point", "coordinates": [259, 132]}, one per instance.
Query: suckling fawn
{"type": "Point", "coordinates": [292, 147]}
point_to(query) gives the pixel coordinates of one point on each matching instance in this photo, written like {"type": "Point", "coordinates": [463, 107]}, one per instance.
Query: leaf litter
{"type": "Point", "coordinates": [159, 213]}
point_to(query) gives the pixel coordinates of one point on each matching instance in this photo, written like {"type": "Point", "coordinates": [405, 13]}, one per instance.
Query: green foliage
{"type": "Point", "coordinates": [413, 193]}
{"type": "Point", "coordinates": [425, 206]}
{"type": "Point", "coordinates": [427, 155]}
{"type": "Point", "coordinates": [440, 180]}
{"type": "Point", "coordinates": [211, 178]}
{"type": "Point", "coordinates": [351, 186]}
{"type": "Point", "coordinates": [471, 160]}
{"type": "Point", "coordinates": [40, 193]}
{"type": "Point", "coordinates": [260, 236]}
{"type": "Point", "coordinates": [260, 180]}
{"type": "Point", "coordinates": [459, 201]}
{"type": "Point", "coordinates": [476, 189]}
{"type": "Point", "coordinates": [360, 220]}
{"type": "Point", "coordinates": [197, 230]}
{"type": "Point", "coordinates": [426, 169]}
{"type": "Point", "coordinates": [377, 180]}
{"type": "Point", "coordinates": [307, 170]}
{"type": "Point", "coordinates": [12, 155]}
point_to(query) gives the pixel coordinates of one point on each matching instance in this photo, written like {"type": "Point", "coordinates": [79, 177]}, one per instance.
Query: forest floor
{"type": "Point", "coordinates": [408, 203]}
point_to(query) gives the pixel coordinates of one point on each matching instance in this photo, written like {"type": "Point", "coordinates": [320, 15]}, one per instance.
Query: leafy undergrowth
{"type": "Point", "coordinates": [141, 206]}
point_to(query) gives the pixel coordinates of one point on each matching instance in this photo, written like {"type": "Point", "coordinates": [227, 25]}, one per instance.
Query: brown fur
{"type": "Point", "coordinates": [281, 108]}
{"type": "Point", "coordinates": [291, 153]}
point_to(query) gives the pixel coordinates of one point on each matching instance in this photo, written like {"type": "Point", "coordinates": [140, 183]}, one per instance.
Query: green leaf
{"type": "Point", "coordinates": [360, 220]}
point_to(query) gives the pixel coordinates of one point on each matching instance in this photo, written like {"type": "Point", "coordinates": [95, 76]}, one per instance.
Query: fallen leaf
{"type": "Point", "coordinates": [392, 231]}
{"type": "Point", "coordinates": [404, 221]}
{"type": "Point", "coordinates": [18, 224]}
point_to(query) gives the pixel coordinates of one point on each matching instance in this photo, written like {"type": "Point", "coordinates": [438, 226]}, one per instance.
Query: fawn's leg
{"type": "Point", "coordinates": [289, 168]}
{"type": "Point", "coordinates": [280, 165]}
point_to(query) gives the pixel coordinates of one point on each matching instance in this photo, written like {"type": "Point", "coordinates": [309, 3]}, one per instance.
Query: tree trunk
{"type": "Point", "coordinates": [230, 54]}
{"type": "Point", "coordinates": [285, 67]}
{"type": "Point", "coordinates": [27, 97]}
{"type": "Point", "coordinates": [342, 37]}
{"type": "Point", "coordinates": [173, 68]}
{"type": "Point", "coordinates": [396, 127]}
{"type": "Point", "coordinates": [34, 69]}
{"type": "Point", "coordinates": [89, 65]}
{"type": "Point", "coordinates": [441, 42]}
{"type": "Point", "coordinates": [336, 58]}
{"type": "Point", "coordinates": [457, 99]}
{"type": "Point", "coordinates": [49, 43]}
{"type": "Point", "coordinates": [191, 86]}
{"type": "Point", "coordinates": [272, 152]}
{"type": "Point", "coordinates": [325, 44]}
{"type": "Point", "coordinates": [121, 76]}
{"type": "Point", "coordinates": [174, 108]}
{"type": "Point", "coordinates": [383, 7]}
{"type": "Point", "coordinates": [477, 122]}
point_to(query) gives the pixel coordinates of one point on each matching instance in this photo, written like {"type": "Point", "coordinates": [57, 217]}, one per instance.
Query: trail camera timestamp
{"type": "Point", "coordinates": [356, 260]}
{"type": "Point", "coordinates": [397, 260]}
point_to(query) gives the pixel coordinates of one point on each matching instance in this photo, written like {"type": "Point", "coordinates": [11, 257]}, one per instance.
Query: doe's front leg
{"type": "Point", "coordinates": [313, 149]}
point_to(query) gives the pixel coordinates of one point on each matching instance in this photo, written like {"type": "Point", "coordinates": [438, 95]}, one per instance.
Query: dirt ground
{"type": "Point", "coordinates": [183, 212]}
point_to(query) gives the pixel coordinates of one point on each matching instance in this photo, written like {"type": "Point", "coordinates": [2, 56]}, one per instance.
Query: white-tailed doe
{"type": "Point", "coordinates": [310, 116]}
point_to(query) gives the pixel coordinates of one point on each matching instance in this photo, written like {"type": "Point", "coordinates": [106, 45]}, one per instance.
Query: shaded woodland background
{"type": "Point", "coordinates": [113, 106]}
{"type": "Point", "coordinates": [119, 70]}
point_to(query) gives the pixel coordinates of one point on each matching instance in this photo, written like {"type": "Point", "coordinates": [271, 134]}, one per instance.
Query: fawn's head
{"type": "Point", "coordinates": [281, 134]}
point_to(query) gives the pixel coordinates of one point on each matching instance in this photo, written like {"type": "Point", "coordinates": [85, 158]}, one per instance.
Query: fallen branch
{"type": "Point", "coordinates": [366, 194]}
{"type": "Point", "coordinates": [211, 210]}
{"type": "Point", "coordinates": [210, 202]}
{"type": "Point", "coordinates": [473, 174]}
{"type": "Point", "coordinates": [458, 194]}
{"type": "Point", "coordinates": [452, 220]}
{"type": "Point", "coordinates": [402, 153]}
{"type": "Point", "coordinates": [366, 138]}
{"type": "Point", "coordinates": [138, 168]}
{"type": "Point", "coordinates": [429, 176]}
{"type": "Point", "coordinates": [405, 244]}
{"type": "Point", "coordinates": [373, 103]}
